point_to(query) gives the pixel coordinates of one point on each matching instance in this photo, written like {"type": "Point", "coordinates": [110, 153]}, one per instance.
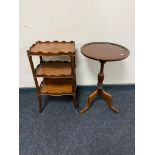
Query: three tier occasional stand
{"type": "Point", "coordinates": [59, 77]}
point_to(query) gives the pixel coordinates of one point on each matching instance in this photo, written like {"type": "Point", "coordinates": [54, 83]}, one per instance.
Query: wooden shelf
{"type": "Point", "coordinates": [54, 69]}
{"type": "Point", "coordinates": [57, 87]}
{"type": "Point", "coordinates": [58, 77]}
{"type": "Point", "coordinates": [48, 48]}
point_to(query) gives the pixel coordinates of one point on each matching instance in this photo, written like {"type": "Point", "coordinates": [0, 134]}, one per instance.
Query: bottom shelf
{"type": "Point", "coordinates": [57, 87]}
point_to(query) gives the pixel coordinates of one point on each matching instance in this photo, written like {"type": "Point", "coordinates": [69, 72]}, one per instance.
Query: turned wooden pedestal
{"type": "Point", "coordinates": [100, 92]}
{"type": "Point", "coordinates": [103, 52]}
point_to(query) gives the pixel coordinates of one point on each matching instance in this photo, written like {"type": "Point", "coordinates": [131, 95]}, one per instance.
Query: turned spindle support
{"type": "Point", "coordinates": [100, 92]}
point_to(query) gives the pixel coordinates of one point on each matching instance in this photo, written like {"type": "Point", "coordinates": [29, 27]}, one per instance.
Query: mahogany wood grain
{"type": "Point", "coordinates": [100, 92]}
{"type": "Point", "coordinates": [75, 102]}
{"type": "Point", "coordinates": [40, 103]}
{"type": "Point", "coordinates": [59, 78]}
{"type": "Point", "coordinates": [108, 99]}
{"type": "Point", "coordinates": [48, 48]}
{"type": "Point", "coordinates": [89, 101]}
{"type": "Point", "coordinates": [54, 69]}
{"type": "Point", "coordinates": [56, 86]}
{"type": "Point", "coordinates": [33, 72]}
{"type": "Point", "coordinates": [103, 52]}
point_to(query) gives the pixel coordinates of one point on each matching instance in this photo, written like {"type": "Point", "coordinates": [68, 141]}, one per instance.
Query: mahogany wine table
{"type": "Point", "coordinates": [103, 52]}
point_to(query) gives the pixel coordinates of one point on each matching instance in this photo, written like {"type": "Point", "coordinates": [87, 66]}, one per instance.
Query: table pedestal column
{"type": "Point", "coordinates": [100, 92]}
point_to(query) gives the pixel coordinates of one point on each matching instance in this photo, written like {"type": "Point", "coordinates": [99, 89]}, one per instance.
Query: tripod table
{"type": "Point", "coordinates": [103, 52]}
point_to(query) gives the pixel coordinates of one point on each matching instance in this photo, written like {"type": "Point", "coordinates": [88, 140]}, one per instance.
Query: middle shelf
{"type": "Point", "coordinates": [54, 69]}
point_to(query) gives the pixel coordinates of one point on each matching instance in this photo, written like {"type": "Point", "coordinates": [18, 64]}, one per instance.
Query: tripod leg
{"type": "Point", "coordinates": [108, 99]}
{"type": "Point", "coordinates": [89, 101]}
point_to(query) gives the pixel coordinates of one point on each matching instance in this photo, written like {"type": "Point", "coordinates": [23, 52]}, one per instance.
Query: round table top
{"type": "Point", "coordinates": [104, 51]}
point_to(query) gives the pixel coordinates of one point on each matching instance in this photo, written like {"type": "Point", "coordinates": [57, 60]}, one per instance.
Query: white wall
{"type": "Point", "coordinates": [82, 21]}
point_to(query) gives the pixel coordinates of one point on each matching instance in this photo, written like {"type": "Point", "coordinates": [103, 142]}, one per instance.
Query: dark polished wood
{"type": "Point", "coordinates": [59, 78]}
{"type": "Point", "coordinates": [41, 59]}
{"type": "Point", "coordinates": [103, 52]}
{"type": "Point", "coordinates": [100, 92]}
{"type": "Point", "coordinates": [40, 103]}
{"type": "Point", "coordinates": [74, 101]}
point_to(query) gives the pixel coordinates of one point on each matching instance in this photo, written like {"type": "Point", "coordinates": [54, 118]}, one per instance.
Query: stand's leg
{"type": "Point", "coordinates": [74, 102]}
{"type": "Point", "coordinates": [40, 103]}
{"type": "Point", "coordinates": [89, 101]}
{"type": "Point", "coordinates": [36, 82]}
{"type": "Point", "coordinates": [108, 99]}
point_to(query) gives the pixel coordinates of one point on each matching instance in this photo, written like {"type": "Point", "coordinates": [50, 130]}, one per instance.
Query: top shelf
{"type": "Point", "coordinates": [48, 48]}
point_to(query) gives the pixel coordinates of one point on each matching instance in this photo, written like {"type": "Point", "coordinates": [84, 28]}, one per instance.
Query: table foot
{"type": "Point", "coordinates": [84, 110]}
{"type": "Point", "coordinates": [105, 95]}
{"type": "Point", "coordinates": [108, 99]}
{"type": "Point", "coordinates": [89, 101]}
